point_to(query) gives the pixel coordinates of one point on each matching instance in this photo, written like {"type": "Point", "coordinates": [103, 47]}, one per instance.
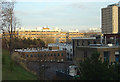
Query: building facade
{"type": "Point", "coordinates": [48, 35]}
{"type": "Point", "coordinates": [111, 19]}
{"type": "Point", "coordinates": [42, 55]}
{"type": "Point", "coordinates": [107, 53]}
{"type": "Point", "coordinates": [113, 39]}
{"type": "Point", "coordinates": [62, 46]}
{"type": "Point", "coordinates": [85, 41]}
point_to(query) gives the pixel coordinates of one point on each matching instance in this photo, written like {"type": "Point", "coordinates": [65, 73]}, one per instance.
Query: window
{"type": "Point", "coordinates": [88, 42]}
{"type": "Point", "coordinates": [85, 54]}
{"type": "Point", "coordinates": [38, 55]}
{"type": "Point", "coordinates": [44, 54]}
{"type": "Point", "coordinates": [94, 42]}
{"type": "Point", "coordinates": [82, 43]}
{"type": "Point", "coordinates": [31, 55]}
{"type": "Point", "coordinates": [51, 54]}
{"type": "Point", "coordinates": [58, 54]}
{"type": "Point", "coordinates": [106, 56]}
{"type": "Point", "coordinates": [34, 55]}
{"type": "Point", "coordinates": [26, 55]}
{"type": "Point", "coordinates": [61, 54]}
{"type": "Point", "coordinates": [78, 43]}
{"type": "Point", "coordinates": [54, 54]}
{"type": "Point", "coordinates": [117, 56]}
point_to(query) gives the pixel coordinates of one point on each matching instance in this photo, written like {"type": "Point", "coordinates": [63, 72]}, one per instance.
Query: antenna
{"type": "Point", "coordinates": [101, 40]}
{"type": "Point", "coordinates": [115, 40]}
{"type": "Point", "coordinates": [105, 40]}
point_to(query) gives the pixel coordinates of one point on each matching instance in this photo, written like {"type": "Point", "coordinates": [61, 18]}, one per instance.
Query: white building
{"type": "Point", "coordinates": [45, 28]}
{"type": "Point", "coordinates": [95, 29]}
{"type": "Point", "coordinates": [63, 46]}
{"type": "Point", "coordinates": [76, 30]}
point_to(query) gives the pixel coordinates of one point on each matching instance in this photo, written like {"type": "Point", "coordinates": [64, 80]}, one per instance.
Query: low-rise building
{"type": "Point", "coordinates": [107, 53]}
{"type": "Point", "coordinates": [87, 41]}
{"type": "Point", "coordinates": [42, 55]}
{"type": "Point", "coordinates": [62, 46]}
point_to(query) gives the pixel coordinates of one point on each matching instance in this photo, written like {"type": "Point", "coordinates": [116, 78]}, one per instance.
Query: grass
{"type": "Point", "coordinates": [17, 73]}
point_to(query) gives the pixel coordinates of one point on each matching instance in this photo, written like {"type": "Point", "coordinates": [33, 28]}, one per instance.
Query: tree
{"type": "Point", "coordinates": [115, 71]}
{"type": "Point", "coordinates": [93, 69]}
{"type": "Point", "coordinates": [9, 23]}
{"type": "Point", "coordinates": [49, 40]}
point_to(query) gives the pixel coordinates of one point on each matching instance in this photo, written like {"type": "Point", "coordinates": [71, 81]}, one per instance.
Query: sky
{"type": "Point", "coordinates": [66, 15]}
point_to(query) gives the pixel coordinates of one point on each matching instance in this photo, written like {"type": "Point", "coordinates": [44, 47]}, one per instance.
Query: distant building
{"type": "Point", "coordinates": [48, 35]}
{"type": "Point", "coordinates": [111, 19]}
{"type": "Point", "coordinates": [95, 29]}
{"type": "Point", "coordinates": [70, 35]}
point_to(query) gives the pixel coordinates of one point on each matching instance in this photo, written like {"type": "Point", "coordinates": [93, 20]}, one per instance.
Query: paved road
{"type": "Point", "coordinates": [50, 70]}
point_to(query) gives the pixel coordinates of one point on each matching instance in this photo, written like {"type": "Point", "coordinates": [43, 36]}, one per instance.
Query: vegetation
{"type": "Point", "coordinates": [13, 71]}
{"type": "Point", "coordinates": [94, 69]}
{"type": "Point", "coordinates": [8, 22]}
{"type": "Point", "coordinates": [24, 43]}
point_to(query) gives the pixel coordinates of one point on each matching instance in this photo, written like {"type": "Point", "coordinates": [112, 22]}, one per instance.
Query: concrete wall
{"type": "Point", "coordinates": [82, 51]}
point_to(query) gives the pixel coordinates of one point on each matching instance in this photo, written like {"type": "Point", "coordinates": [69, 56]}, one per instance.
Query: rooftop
{"type": "Point", "coordinates": [34, 50]}
{"type": "Point", "coordinates": [84, 38]}
{"type": "Point", "coordinates": [59, 44]}
{"type": "Point", "coordinates": [99, 46]}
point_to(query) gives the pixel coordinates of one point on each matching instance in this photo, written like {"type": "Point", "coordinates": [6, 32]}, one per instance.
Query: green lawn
{"type": "Point", "coordinates": [18, 72]}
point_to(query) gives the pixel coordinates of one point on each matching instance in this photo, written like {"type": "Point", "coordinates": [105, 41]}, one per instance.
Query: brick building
{"type": "Point", "coordinates": [43, 55]}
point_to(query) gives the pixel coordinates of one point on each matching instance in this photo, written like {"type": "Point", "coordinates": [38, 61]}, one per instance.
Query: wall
{"type": "Point", "coordinates": [45, 55]}
{"type": "Point", "coordinates": [82, 51]}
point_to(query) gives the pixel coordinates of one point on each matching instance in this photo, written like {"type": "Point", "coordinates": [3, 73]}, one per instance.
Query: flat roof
{"type": "Point", "coordinates": [84, 38]}
{"type": "Point", "coordinates": [27, 50]}
{"type": "Point", "coordinates": [59, 44]}
{"type": "Point", "coordinates": [99, 46]}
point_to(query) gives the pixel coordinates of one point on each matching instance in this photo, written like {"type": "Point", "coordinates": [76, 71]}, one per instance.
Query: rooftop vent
{"type": "Point", "coordinates": [110, 45]}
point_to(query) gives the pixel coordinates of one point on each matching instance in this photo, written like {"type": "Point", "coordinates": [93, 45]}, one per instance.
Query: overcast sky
{"type": "Point", "coordinates": [66, 15]}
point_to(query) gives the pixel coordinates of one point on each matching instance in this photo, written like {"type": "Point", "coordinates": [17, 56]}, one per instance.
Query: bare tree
{"type": "Point", "coordinates": [8, 22]}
